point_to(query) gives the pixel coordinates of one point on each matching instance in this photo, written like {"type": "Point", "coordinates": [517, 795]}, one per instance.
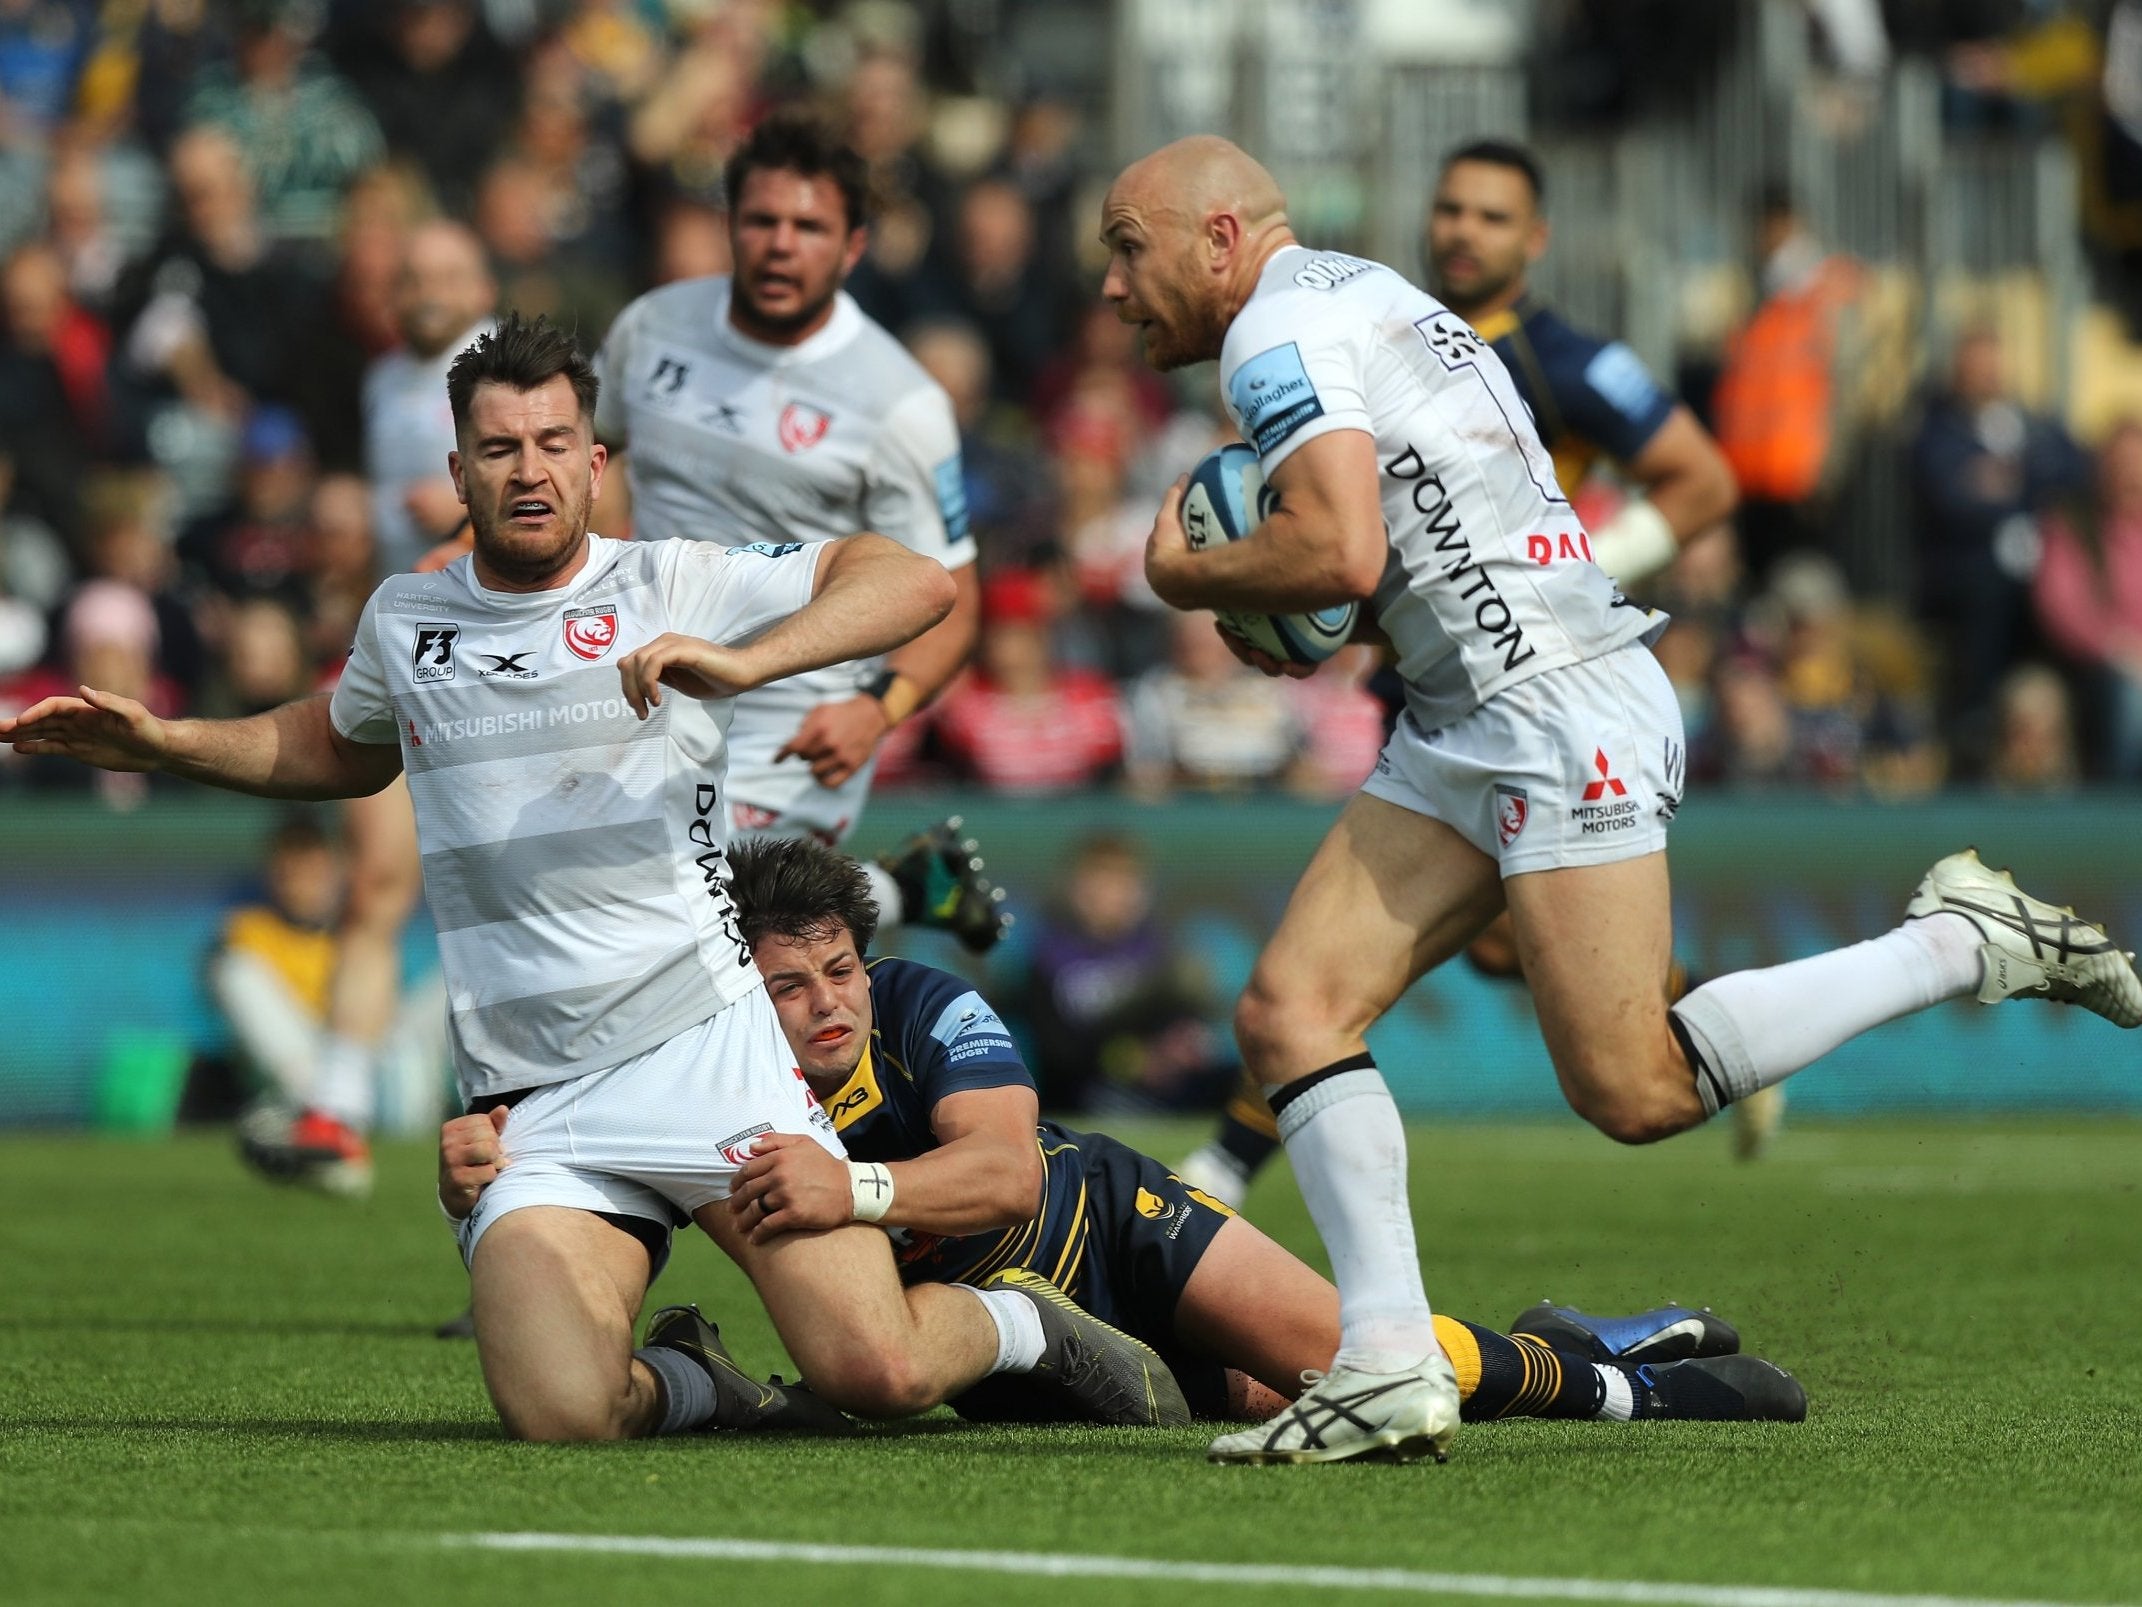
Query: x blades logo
{"type": "Point", "coordinates": [508, 666]}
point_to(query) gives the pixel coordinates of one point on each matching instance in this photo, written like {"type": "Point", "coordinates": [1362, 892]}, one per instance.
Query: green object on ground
{"type": "Point", "coordinates": [140, 1080]}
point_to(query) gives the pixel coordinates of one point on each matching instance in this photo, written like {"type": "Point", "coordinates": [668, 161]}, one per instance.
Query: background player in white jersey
{"type": "Point", "coordinates": [767, 406]}
{"type": "Point", "coordinates": [572, 825]}
{"type": "Point", "coordinates": [443, 300]}
{"type": "Point", "coordinates": [1537, 766]}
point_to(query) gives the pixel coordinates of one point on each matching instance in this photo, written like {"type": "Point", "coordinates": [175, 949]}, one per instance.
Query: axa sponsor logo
{"type": "Point", "coordinates": [591, 632]}
{"type": "Point", "coordinates": [1605, 805]}
{"type": "Point", "coordinates": [1440, 522]}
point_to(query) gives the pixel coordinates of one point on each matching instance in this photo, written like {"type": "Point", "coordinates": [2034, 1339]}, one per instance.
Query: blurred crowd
{"type": "Point", "coordinates": [221, 221]}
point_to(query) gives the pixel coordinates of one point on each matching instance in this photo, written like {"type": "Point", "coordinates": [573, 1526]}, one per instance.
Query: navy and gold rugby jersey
{"type": "Point", "coordinates": [932, 1035]}
{"type": "Point", "coordinates": [1588, 396]}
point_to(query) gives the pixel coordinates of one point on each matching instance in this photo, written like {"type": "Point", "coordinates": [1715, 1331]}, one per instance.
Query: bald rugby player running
{"type": "Point", "coordinates": [1537, 766]}
{"type": "Point", "coordinates": [1589, 399]}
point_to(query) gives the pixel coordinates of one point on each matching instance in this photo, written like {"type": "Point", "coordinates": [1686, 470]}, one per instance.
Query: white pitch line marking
{"type": "Point", "coordinates": [1061, 1565]}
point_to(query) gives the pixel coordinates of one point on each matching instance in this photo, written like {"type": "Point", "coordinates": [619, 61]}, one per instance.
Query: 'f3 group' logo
{"type": "Point", "coordinates": [433, 658]}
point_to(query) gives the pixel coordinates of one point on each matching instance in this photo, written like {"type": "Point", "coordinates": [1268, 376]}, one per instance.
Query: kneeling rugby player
{"type": "Point", "coordinates": [948, 1155]}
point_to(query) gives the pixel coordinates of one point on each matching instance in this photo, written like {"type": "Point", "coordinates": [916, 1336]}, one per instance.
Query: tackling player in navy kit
{"type": "Point", "coordinates": [938, 1115]}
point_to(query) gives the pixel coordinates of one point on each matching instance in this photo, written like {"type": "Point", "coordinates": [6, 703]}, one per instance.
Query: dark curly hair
{"type": "Point", "coordinates": [793, 139]}
{"type": "Point", "coordinates": [795, 888]}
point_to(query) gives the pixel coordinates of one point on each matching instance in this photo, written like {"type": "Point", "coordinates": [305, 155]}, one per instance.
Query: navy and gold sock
{"type": "Point", "coordinates": [1501, 1376]}
{"type": "Point", "coordinates": [1249, 1133]}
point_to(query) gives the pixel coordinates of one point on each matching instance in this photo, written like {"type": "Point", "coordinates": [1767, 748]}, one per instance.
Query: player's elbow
{"type": "Point", "coordinates": [938, 591]}
{"type": "Point", "coordinates": [1018, 1193]}
{"type": "Point", "coordinates": [1357, 569]}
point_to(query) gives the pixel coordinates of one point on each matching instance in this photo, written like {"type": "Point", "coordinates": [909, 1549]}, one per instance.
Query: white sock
{"type": "Point", "coordinates": [1618, 1405]}
{"type": "Point", "coordinates": [1755, 1028]}
{"type": "Point", "coordinates": [885, 893]}
{"type": "Point", "coordinates": [1019, 1338]}
{"type": "Point", "coordinates": [1349, 1154]}
{"type": "Point", "coordinates": [342, 1081]}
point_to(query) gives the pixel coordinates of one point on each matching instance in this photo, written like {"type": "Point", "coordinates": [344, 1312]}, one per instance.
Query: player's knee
{"type": "Point", "coordinates": [1275, 1024]}
{"type": "Point", "coordinates": [1494, 954]}
{"type": "Point", "coordinates": [1635, 1115]}
{"type": "Point", "coordinates": [561, 1419]}
{"type": "Point", "coordinates": [877, 1383]}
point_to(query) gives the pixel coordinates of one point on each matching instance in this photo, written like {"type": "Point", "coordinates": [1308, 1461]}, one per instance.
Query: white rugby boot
{"type": "Point", "coordinates": [2031, 946]}
{"type": "Point", "coordinates": [1344, 1414]}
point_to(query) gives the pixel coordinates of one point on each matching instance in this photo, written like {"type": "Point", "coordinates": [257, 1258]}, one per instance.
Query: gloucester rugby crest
{"type": "Point", "coordinates": [803, 426]}
{"type": "Point", "coordinates": [591, 632]}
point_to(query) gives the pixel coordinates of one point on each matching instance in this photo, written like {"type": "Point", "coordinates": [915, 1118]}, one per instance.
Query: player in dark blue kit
{"type": "Point", "coordinates": [1593, 401]}
{"type": "Point", "coordinates": [948, 1154]}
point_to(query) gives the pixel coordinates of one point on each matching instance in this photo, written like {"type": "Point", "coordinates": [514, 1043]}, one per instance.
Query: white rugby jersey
{"type": "Point", "coordinates": [574, 855]}
{"type": "Point", "coordinates": [1490, 578]}
{"type": "Point", "coordinates": [731, 440]}
{"type": "Point", "coordinates": [408, 430]}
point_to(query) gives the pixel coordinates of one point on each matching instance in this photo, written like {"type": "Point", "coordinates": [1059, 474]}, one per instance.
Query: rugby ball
{"type": "Point", "coordinates": [1227, 499]}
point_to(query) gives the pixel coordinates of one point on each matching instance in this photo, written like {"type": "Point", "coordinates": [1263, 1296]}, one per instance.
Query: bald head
{"type": "Point", "coordinates": [446, 287]}
{"type": "Point", "coordinates": [1188, 230]}
{"type": "Point", "coordinates": [1204, 174]}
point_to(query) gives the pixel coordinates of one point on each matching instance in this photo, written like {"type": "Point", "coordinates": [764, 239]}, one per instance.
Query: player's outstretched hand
{"type": "Point", "coordinates": [695, 668]}
{"type": "Point", "coordinates": [791, 1183]}
{"type": "Point", "coordinates": [98, 728]}
{"type": "Point", "coordinates": [1167, 549]}
{"type": "Point", "coordinates": [837, 739]}
{"type": "Point", "coordinates": [471, 1155]}
{"type": "Point", "coordinates": [1258, 659]}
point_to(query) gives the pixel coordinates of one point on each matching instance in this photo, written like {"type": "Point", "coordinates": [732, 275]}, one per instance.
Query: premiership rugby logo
{"type": "Point", "coordinates": [803, 426]}
{"type": "Point", "coordinates": [591, 632]}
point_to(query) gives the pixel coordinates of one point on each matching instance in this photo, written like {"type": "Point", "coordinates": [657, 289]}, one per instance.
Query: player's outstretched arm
{"type": "Point", "coordinates": [837, 739]}
{"type": "Point", "coordinates": [870, 594]}
{"type": "Point", "coordinates": [289, 752]}
{"type": "Point", "coordinates": [1323, 545]}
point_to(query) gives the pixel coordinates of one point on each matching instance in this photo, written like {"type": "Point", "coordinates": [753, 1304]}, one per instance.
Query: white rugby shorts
{"type": "Point", "coordinates": [782, 800]}
{"type": "Point", "coordinates": [1582, 765]}
{"type": "Point", "coordinates": [660, 1135]}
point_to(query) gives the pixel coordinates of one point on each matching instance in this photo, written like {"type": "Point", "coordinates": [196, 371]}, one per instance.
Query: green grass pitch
{"type": "Point", "coordinates": [215, 1391]}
